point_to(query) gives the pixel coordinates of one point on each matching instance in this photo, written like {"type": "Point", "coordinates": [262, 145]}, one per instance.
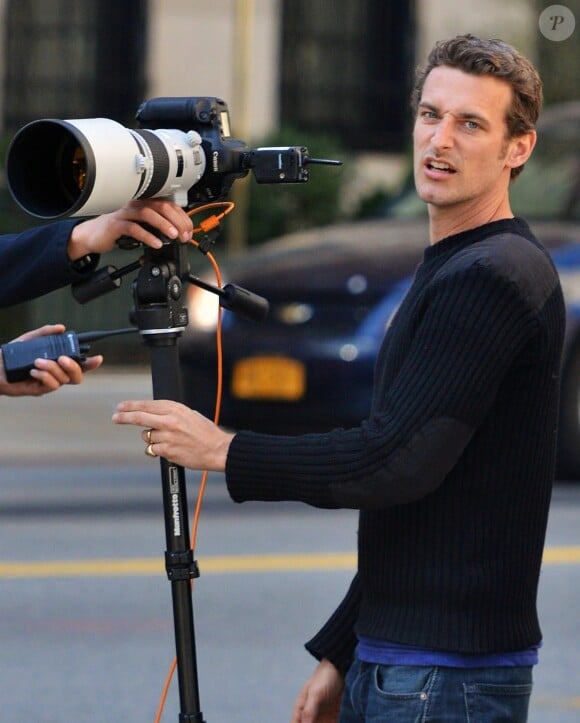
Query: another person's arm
{"type": "Point", "coordinates": [44, 258]}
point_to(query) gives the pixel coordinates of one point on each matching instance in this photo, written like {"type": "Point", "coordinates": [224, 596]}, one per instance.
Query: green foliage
{"type": "Point", "coordinates": [372, 203]}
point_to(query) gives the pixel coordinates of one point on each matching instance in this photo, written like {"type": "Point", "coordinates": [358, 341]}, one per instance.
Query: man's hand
{"type": "Point", "coordinates": [47, 376]}
{"type": "Point", "coordinates": [99, 235]}
{"type": "Point", "coordinates": [319, 699]}
{"type": "Point", "coordinates": [177, 433]}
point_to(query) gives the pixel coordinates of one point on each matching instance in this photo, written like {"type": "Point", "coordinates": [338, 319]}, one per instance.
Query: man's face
{"type": "Point", "coordinates": [459, 140]}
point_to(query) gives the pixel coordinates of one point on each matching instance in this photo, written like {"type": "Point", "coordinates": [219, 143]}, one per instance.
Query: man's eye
{"type": "Point", "coordinates": [472, 125]}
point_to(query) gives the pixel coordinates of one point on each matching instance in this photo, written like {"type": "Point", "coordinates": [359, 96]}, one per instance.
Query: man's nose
{"type": "Point", "coordinates": [443, 133]}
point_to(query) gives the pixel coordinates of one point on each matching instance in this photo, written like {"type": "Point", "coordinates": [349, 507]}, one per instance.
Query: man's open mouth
{"type": "Point", "coordinates": [440, 166]}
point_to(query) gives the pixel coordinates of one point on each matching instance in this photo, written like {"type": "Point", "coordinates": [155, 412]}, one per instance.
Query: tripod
{"type": "Point", "coordinates": [160, 318]}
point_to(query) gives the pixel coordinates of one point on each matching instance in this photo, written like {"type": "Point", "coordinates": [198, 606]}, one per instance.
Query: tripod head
{"type": "Point", "coordinates": [159, 287]}
{"type": "Point", "coordinates": [158, 291]}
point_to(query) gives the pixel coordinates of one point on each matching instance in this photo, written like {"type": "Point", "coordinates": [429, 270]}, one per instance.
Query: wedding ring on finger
{"type": "Point", "coordinates": [149, 451]}
{"type": "Point", "coordinates": [148, 435]}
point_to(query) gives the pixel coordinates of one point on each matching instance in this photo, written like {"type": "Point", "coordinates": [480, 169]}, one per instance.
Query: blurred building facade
{"type": "Point", "coordinates": [345, 67]}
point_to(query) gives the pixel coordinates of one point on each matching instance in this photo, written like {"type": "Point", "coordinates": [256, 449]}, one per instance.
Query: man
{"type": "Point", "coordinates": [45, 258]}
{"type": "Point", "coordinates": [452, 471]}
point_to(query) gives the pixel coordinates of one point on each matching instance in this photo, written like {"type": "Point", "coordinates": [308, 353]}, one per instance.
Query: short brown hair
{"type": "Point", "coordinates": [491, 57]}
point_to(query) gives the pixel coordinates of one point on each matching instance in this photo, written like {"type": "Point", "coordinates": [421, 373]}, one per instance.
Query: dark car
{"type": "Point", "coordinates": [309, 365]}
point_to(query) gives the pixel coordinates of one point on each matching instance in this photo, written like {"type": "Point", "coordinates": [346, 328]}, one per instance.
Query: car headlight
{"type": "Point", "coordinates": [203, 308]}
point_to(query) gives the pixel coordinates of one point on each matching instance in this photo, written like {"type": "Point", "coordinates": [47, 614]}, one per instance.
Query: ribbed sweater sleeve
{"type": "Point", "coordinates": [336, 640]}
{"type": "Point", "coordinates": [467, 329]}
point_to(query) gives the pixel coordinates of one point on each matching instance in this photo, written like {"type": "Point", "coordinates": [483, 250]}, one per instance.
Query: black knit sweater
{"type": "Point", "coordinates": [453, 469]}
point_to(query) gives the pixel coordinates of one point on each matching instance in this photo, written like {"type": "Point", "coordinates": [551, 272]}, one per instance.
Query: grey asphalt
{"type": "Point", "coordinates": [73, 425]}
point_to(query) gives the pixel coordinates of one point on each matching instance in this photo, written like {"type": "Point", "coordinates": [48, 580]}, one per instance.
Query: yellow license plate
{"type": "Point", "coordinates": [269, 377]}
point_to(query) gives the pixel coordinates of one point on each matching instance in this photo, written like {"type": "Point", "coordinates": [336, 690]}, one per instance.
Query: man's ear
{"type": "Point", "coordinates": [520, 149]}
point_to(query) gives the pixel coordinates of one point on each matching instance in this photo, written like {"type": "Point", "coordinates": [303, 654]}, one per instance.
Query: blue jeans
{"type": "Point", "coordinates": [409, 694]}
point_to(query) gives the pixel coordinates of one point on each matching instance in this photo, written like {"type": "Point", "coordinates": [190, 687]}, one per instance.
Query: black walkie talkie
{"type": "Point", "coordinates": [19, 356]}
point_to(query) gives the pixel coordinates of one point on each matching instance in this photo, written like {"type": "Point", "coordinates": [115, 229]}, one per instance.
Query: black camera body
{"type": "Point", "coordinates": [183, 150]}
{"type": "Point", "coordinates": [210, 118]}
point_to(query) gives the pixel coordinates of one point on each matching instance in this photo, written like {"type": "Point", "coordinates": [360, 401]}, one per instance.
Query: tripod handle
{"type": "Point", "coordinates": [244, 302]}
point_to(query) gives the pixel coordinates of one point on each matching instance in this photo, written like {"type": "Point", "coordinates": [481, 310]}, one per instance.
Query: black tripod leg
{"type": "Point", "coordinates": [180, 565]}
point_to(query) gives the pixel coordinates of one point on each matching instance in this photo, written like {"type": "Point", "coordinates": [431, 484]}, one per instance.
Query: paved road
{"type": "Point", "coordinates": [85, 615]}
{"type": "Point", "coordinates": [74, 424]}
